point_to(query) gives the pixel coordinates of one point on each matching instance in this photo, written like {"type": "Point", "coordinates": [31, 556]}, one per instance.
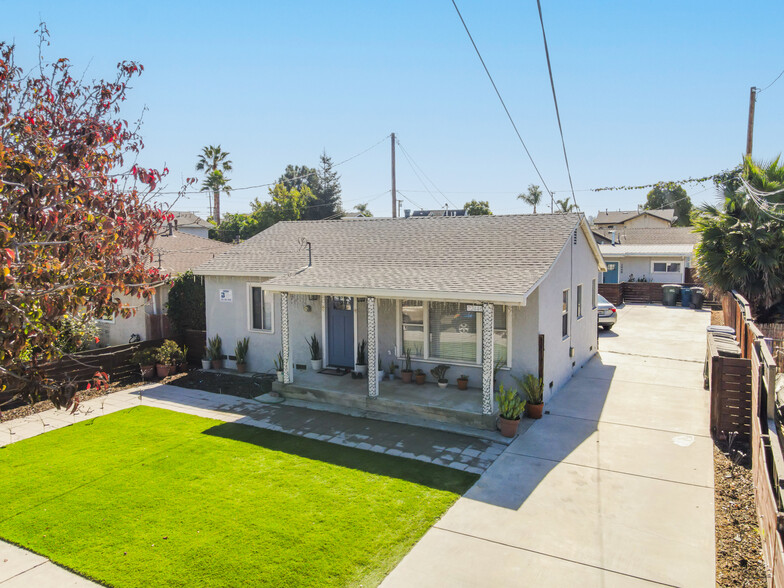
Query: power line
{"type": "Point", "coordinates": [416, 173]}
{"type": "Point", "coordinates": [410, 200]}
{"type": "Point", "coordinates": [509, 116]}
{"type": "Point", "coordinates": [555, 101]}
{"type": "Point", "coordinates": [287, 179]}
{"type": "Point", "coordinates": [405, 152]}
{"type": "Point", "coordinates": [773, 82]}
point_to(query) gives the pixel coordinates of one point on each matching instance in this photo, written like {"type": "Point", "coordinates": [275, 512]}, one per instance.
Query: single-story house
{"type": "Point", "coordinates": [188, 222]}
{"type": "Point", "coordinates": [635, 219]}
{"type": "Point", "coordinates": [515, 294]}
{"type": "Point", "coordinates": [655, 255]}
{"type": "Point", "coordinates": [174, 252]}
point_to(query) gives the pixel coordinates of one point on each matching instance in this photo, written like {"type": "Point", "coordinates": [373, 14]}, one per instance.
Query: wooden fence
{"type": "Point", "coordinates": [730, 387]}
{"type": "Point", "coordinates": [767, 457]}
{"type": "Point", "coordinates": [639, 292]}
{"type": "Point", "coordinates": [774, 332]}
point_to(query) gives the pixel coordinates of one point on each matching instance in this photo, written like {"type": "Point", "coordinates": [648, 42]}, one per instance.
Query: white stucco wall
{"type": "Point", "coordinates": [198, 231]}
{"type": "Point", "coordinates": [576, 265]}
{"type": "Point", "coordinates": [642, 266]}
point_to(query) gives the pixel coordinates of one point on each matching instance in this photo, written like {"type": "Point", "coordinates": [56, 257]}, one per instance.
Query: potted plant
{"type": "Point", "coordinates": [361, 366]}
{"type": "Point", "coordinates": [241, 353]}
{"type": "Point", "coordinates": [279, 366]}
{"type": "Point", "coordinates": [216, 352]}
{"type": "Point", "coordinates": [497, 368]}
{"type": "Point", "coordinates": [206, 362]}
{"type": "Point", "coordinates": [380, 374]}
{"type": "Point", "coordinates": [510, 407]}
{"type": "Point", "coordinates": [439, 373]}
{"type": "Point", "coordinates": [419, 376]}
{"type": "Point", "coordinates": [462, 382]}
{"type": "Point", "coordinates": [166, 358]}
{"type": "Point", "coordinates": [407, 373]}
{"type": "Point", "coordinates": [315, 353]}
{"type": "Point", "coordinates": [146, 360]}
{"type": "Point", "coordinates": [182, 363]}
{"type": "Point", "coordinates": [533, 388]}
{"type": "Point", "coordinates": [392, 368]}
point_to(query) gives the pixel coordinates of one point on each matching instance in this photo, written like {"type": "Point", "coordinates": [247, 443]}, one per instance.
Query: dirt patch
{"type": "Point", "coordinates": [739, 559]}
{"type": "Point", "coordinates": [219, 383]}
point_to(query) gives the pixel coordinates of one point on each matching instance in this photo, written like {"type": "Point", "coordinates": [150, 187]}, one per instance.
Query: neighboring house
{"type": "Point", "coordinates": [437, 212]}
{"type": "Point", "coordinates": [174, 254]}
{"type": "Point", "coordinates": [468, 292]}
{"type": "Point", "coordinates": [656, 255]}
{"type": "Point", "coordinates": [188, 222]}
{"type": "Point", "coordinates": [635, 219]}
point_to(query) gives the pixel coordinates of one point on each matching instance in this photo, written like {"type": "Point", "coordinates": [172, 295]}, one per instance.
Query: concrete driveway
{"type": "Point", "coordinates": [614, 487]}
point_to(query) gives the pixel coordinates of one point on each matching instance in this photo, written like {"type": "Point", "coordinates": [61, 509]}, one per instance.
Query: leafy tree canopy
{"type": "Point", "coordinates": [670, 195]}
{"type": "Point", "coordinates": [533, 197]}
{"type": "Point", "coordinates": [742, 246]}
{"type": "Point", "coordinates": [363, 210]}
{"type": "Point", "coordinates": [564, 205]}
{"type": "Point", "coordinates": [76, 231]}
{"type": "Point", "coordinates": [477, 208]}
{"type": "Point", "coordinates": [186, 306]}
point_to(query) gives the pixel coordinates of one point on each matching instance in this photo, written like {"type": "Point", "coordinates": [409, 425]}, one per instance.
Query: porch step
{"type": "Point", "coordinates": [385, 405]}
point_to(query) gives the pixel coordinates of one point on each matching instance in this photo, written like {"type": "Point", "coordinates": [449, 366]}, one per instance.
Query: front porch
{"type": "Point", "coordinates": [427, 401]}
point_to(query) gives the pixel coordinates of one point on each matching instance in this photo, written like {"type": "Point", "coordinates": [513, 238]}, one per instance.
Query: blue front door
{"type": "Point", "coordinates": [611, 275]}
{"type": "Point", "coordinates": [340, 331]}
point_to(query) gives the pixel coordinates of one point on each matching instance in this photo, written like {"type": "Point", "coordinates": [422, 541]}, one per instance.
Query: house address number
{"type": "Point", "coordinates": [225, 296]}
{"type": "Point", "coordinates": [474, 308]}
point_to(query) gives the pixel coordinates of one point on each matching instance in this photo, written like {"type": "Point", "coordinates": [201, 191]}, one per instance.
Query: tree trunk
{"type": "Point", "coordinates": [217, 207]}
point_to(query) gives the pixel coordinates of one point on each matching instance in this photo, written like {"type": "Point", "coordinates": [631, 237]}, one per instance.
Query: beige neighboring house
{"type": "Point", "coordinates": [175, 254]}
{"type": "Point", "coordinates": [188, 222]}
{"type": "Point", "coordinates": [660, 255]}
{"type": "Point", "coordinates": [635, 219]}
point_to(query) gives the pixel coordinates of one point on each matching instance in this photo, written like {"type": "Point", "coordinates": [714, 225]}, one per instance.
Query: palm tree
{"type": "Point", "coordinates": [564, 205]}
{"type": "Point", "coordinates": [533, 197]}
{"type": "Point", "coordinates": [214, 159]}
{"type": "Point", "coordinates": [362, 209]}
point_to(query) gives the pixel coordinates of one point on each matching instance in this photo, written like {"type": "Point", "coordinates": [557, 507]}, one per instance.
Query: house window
{"type": "Point", "coordinates": [593, 293]}
{"type": "Point", "coordinates": [666, 266]}
{"type": "Point", "coordinates": [413, 312]}
{"type": "Point", "coordinates": [500, 336]}
{"type": "Point", "coordinates": [565, 314]}
{"type": "Point", "coordinates": [579, 301]}
{"type": "Point", "coordinates": [260, 309]}
{"type": "Point", "coordinates": [108, 318]}
{"type": "Point", "coordinates": [452, 331]}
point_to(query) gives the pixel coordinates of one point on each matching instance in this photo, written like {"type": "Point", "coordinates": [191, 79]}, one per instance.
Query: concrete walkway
{"type": "Point", "coordinates": [614, 487]}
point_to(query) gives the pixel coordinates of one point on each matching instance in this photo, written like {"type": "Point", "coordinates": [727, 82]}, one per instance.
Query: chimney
{"type": "Point", "coordinates": [407, 212]}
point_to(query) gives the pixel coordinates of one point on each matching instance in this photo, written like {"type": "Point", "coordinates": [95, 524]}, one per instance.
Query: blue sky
{"type": "Point", "coordinates": [647, 91]}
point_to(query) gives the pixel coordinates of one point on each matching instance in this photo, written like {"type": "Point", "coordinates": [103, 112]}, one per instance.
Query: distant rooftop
{"type": "Point", "coordinates": [647, 236]}
{"type": "Point", "coordinates": [189, 219]}
{"type": "Point", "coordinates": [609, 217]}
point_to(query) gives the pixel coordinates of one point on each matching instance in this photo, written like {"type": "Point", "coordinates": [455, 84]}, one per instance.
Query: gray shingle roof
{"type": "Point", "coordinates": [485, 255]}
{"type": "Point", "coordinates": [189, 219]}
{"type": "Point", "coordinates": [663, 236]}
{"type": "Point", "coordinates": [621, 216]}
{"type": "Point", "coordinates": [183, 251]}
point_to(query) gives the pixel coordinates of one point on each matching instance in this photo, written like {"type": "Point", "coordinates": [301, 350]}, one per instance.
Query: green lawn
{"type": "Point", "coordinates": [149, 497]}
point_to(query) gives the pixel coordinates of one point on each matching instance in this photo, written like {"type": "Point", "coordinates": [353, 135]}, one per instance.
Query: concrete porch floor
{"type": "Point", "coordinates": [447, 405]}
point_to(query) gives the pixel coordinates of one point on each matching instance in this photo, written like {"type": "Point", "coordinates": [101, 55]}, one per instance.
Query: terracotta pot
{"type": "Point", "coordinates": [217, 364]}
{"type": "Point", "coordinates": [462, 384]}
{"type": "Point", "coordinates": [161, 370]}
{"type": "Point", "coordinates": [508, 427]}
{"type": "Point", "coordinates": [534, 411]}
{"type": "Point", "coordinates": [148, 371]}
{"type": "Point", "coordinates": [420, 378]}
{"type": "Point", "coordinates": [242, 367]}
{"type": "Point", "coordinates": [406, 376]}
{"type": "Point", "coordinates": [182, 367]}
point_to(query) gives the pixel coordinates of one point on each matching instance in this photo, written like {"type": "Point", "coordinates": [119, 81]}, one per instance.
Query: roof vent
{"type": "Point", "coordinates": [407, 212]}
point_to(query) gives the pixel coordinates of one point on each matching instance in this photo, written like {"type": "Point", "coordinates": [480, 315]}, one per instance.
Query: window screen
{"type": "Point", "coordinates": [413, 312]}
{"type": "Point", "coordinates": [453, 332]}
{"type": "Point", "coordinates": [659, 266]}
{"type": "Point", "coordinates": [579, 300]}
{"type": "Point", "coordinates": [500, 338]}
{"type": "Point", "coordinates": [261, 310]}
{"type": "Point", "coordinates": [565, 314]}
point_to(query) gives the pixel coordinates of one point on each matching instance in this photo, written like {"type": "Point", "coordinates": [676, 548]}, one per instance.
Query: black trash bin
{"type": "Point", "coordinates": [669, 294]}
{"type": "Point", "coordinates": [697, 297]}
{"type": "Point", "coordinates": [685, 297]}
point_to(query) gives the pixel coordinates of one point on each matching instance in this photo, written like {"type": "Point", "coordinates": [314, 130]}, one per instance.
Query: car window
{"type": "Point", "coordinates": [603, 300]}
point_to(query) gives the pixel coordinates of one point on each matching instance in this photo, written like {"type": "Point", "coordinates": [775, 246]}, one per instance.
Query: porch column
{"type": "Point", "coordinates": [284, 336]}
{"type": "Point", "coordinates": [488, 324]}
{"type": "Point", "coordinates": [372, 347]}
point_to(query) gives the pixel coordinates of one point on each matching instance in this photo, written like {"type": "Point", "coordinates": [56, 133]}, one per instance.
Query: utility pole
{"type": "Point", "coordinates": [394, 188]}
{"type": "Point", "coordinates": [750, 131]}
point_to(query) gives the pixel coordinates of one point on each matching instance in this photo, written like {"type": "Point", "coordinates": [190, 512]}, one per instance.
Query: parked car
{"type": "Point", "coordinates": [608, 314]}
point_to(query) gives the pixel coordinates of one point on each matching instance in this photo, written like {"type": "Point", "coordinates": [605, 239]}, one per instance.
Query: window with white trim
{"type": "Point", "coordinates": [593, 293]}
{"type": "Point", "coordinates": [666, 266]}
{"type": "Point", "coordinates": [260, 309]}
{"type": "Point", "coordinates": [579, 301]}
{"type": "Point", "coordinates": [565, 314]}
{"type": "Point", "coordinates": [449, 332]}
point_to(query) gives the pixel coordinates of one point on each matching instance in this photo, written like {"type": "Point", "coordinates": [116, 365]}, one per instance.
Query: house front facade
{"type": "Point", "coordinates": [490, 297]}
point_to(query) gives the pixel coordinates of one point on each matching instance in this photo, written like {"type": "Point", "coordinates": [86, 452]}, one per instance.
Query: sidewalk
{"type": "Point", "coordinates": [613, 488]}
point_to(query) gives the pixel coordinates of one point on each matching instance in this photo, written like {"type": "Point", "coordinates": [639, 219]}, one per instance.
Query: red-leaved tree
{"type": "Point", "coordinates": [76, 226]}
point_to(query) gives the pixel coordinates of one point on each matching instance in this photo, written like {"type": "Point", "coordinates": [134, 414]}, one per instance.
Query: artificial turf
{"type": "Point", "coordinates": [150, 497]}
